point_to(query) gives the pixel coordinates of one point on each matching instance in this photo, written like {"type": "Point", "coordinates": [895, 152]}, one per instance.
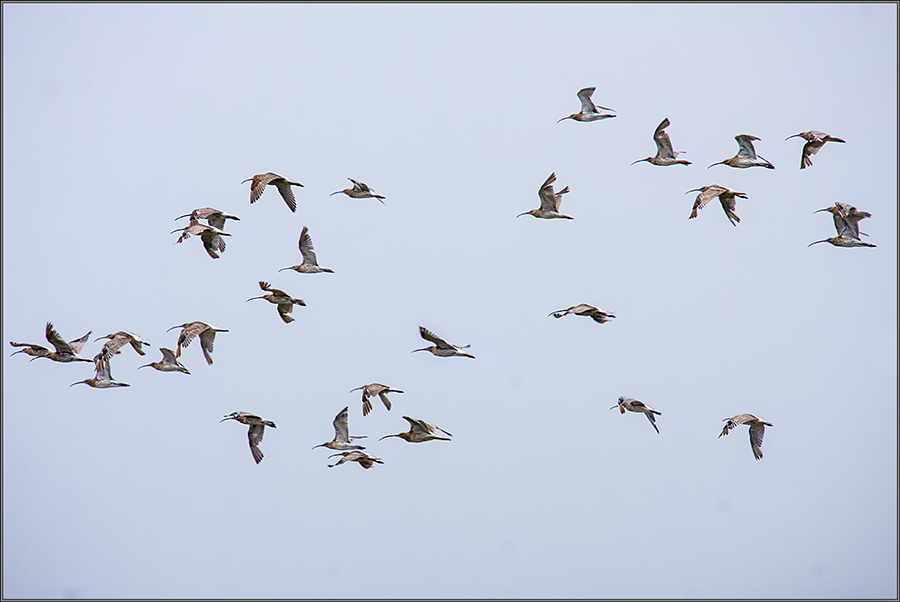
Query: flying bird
{"type": "Point", "coordinates": [364, 459]}
{"type": "Point", "coordinates": [210, 236]}
{"type": "Point", "coordinates": [599, 315]}
{"type": "Point", "coordinates": [371, 391]}
{"type": "Point", "coordinates": [420, 431]}
{"type": "Point", "coordinates": [441, 348]}
{"type": "Point", "coordinates": [214, 217]}
{"type": "Point", "coordinates": [359, 191]}
{"type": "Point", "coordinates": [255, 433]}
{"type": "Point", "coordinates": [342, 438]}
{"type": "Point", "coordinates": [280, 298]}
{"type": "Point", "coordinates": [309, 265]}
{"type": "Point", "coordinates": [664, 153]}
{"type": "Point", "coordinates": [726, 197]}
{"type": "Point", "coordinates": [814, 141]}
{"type": "Point", "coordinates": [588, 110]}
{"type": "Point", "coordinates": [64, 352]}
{"type": "Point", "coordinates": [550, 201]}
{"type": "Point", "coordinates": [117, 340]}
{"type": "Point", "coordinates": [846, 222]}
{"type": "Point", "coordinates": [259, 182]}
{"type": "Point", "coordinates": [207, 333]}
{"type": "Point", "coordinates": [169, 363]}
{"type": "Point", "coordinates": [633, 405]}
{"type": "Point", "coordinates": [102, 377]}
{"type": "Point", "coordinates": [746, 156]}
{"type": "Point", "coordinates": [757, 430]}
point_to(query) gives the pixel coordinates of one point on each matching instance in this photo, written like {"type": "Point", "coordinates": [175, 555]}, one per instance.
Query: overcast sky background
{"type": "Point", "coordinates": [117, 119]}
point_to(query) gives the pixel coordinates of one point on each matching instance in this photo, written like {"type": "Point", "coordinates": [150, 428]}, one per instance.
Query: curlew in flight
{"type": "Point", "coordinates": [169, 363]}
{"type": "Point", "coordinates": [309, 265]}
{"type": "Point", "coordinates": [371, 391]}
{"type": "Point", "coordinates": [550, 201]}
{"type": "Point", "coordinates": [664, 153]}
{"type": "Point", "coordinates": [441, 348]}
{"type": "Point", "coordinates": [210, 236]}
{"type": "Point", "coordinates": [260, 181]}
{"type": "Point", "coordinates": [280, 298]}
{"type": "Point", "coordinates": [65, 352]}
{"type": "Point", "coordinates": [102, 377]}
{"type": "Point", "coordinates": [846, 222]}
{"type": "Point", "coordinates": [588, 110]}
{"type": "Point", "coordinates": [359, 191]}
{"type": "Point", "coordinates": [364, 459]}
{"type": "Point", "coordinates": [342, 439]}
{"type": "Point", "coordinates": [420, 431]}
{"type": "Point", "coordinates": [633, 405]}
{"type": "Point", "coordinates": [726, 197]}
{"type": "Point", "coordinates": [757, 430]}
{"type": "Point", "coordinates": [117, 340]}
{"type": "Point", "coordinates": [255, 433]}
{"type": "Point", "coordinates": [214, 217]}
{"type": "Point", "coordinates": [814, 141]}
{"type": "Point", "coordinates": [207, 333]}
{"type": "Point", "coordinates": [746, 156]}
{"type": "Point", "coordinates": [599, 315]}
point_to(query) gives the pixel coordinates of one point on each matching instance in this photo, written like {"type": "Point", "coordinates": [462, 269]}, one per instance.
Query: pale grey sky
{"type": "Point", "coordinates": [119, 118]}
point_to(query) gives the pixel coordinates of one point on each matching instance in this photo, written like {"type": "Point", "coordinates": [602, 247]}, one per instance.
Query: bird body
{"type": "Point", "coordinates": [255, 433]}
{"type": "Point", "coordinates": [441, 348]}
{"type": "Point", "coordinates": [102, 376]}
{"type": "Point", "coordinates": [169, 363]}
{"type": "Point", "coordinates": [633, 405]}
{"type": "Point", "coordinates": [207, 333]}
{"type": "Point", "coordinates": [726, 197]}
{"type": "Point", "coordinates": [420, 431]}
{"type": "Point", "coordinates": [588, 110]}
{"type": "Point", "coordinates": [746, 156]}
{"type": "Point", "coordinates": [365, 460]}
{"type": "Point", "coordinates": [359, 191]}
{"type": "Point", "coordinates": [757, 430]}
{"type": "Point", "coordinates": [259, 182]}
{"type": "Point", "coordinates": [371, 391]}
{"type": "Point", "coordinates": [665, 155]}
{"type": "Point", "coordinates": [342, 439]}
{"type": "Point", "coordinates": [550, 201]}
{"type": "Point", "coordinates": [814, 141]}
{"type": "Point", "coordinates": [64, 352]}
{"type": "Point", "coordinates": [599, 315]}
{"type": "Point", "coordinates": [309, 265]}
{"type": "Point", "coordinates": [280, 298]}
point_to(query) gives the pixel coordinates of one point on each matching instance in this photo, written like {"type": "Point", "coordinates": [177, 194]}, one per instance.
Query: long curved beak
{"type": "Point", "coordinates": [320, 445]}
{"type": "Point", "coordinates": [794, 136]}
{"type": "Point", "coordinates": [356, 389]}
{"type": "Point", "coordinates": [283, 269]}
{"type": "Point", "coordinates": [422, 349]}
{"type": "Point", "coordinates": [564, 118]}
{"type": "Point", "coordinates": [174, 327]}
{"type": "Point", "coordinates": [80, 382]}
{"type": "Point", "coordinates": [181, 216]}
{"type": "Point", "coordinates": [818, 210]}
{"type": "Point", "coordinates": [694, 190]}
{"type": "Point", "coordinates": [818, 241]}
{"type": "Point", "coordinates": [614, 407]}
{"type": "Point", "coordinates": [386, 436]}
{"type": "Point", "coordinates": [247, 180]}
{"type": "Point", "coordinates": [227, 418]}
{"type": "Point", "coordinates": [521, 214]}
{"type": "Point", "coordinates": [98, 338]}
{"type": "Point", "coordinates": [718, 163]}
{"type": "Point", "coordinates": [252, 298]}
{"type": "Point", "coordinates": [639, 160]}
{"type": "Point", "coordinates": [336, 192]}
{"type": "Point", "coordinates": [144, 366]}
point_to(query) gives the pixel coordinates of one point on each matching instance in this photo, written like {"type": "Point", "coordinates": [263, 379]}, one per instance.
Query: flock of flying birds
{"type": "Point", "coordinates": [846, 222]}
